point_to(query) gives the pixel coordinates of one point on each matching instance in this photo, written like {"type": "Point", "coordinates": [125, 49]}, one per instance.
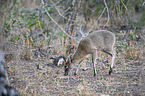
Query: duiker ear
{"type": "Point", "coordinates": [70, 59]}
{"type": "Point", "coordinates": [64, 58]}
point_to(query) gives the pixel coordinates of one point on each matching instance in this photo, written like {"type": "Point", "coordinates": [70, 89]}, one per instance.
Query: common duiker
{"type": "Point", "coordinates": [99, 40]}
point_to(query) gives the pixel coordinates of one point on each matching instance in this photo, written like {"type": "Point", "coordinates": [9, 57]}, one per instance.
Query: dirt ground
{"type": "Point", "coordinates": [41, 78]}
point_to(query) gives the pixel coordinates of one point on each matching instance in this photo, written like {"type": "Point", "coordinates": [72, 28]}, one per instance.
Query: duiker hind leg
{"type": "Point", "coordinates": [112, 62]}
{"type": "Point", "coordinates": [94, 62]}
{"type": "Point", "coordinates": [112, 53]}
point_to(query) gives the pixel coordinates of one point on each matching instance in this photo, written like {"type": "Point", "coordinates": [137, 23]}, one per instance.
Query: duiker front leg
{"type": "Point", "coordinates": [76, 71]}
{"type": "Point", "coordinates": [66, 70]}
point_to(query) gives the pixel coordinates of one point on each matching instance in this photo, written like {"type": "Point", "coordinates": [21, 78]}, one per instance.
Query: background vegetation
{"type": "Point", "coordinates": [34, 30]}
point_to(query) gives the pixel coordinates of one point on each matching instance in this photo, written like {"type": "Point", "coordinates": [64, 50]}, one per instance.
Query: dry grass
{"type": "Point", "coordinates": [32, 73]}
{"type": "Point", "coordinates": [127, 79]}
{"type": "Point", "coordinates": [47, 80]}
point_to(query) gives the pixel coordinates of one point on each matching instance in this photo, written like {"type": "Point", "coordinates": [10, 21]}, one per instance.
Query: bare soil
{"type": "Point", "coordinates": [41, 78]}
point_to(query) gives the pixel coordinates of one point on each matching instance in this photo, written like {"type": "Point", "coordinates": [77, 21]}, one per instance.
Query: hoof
{"type": "Point", "coordinates": [110, 71]}
{"type": "Point", "coordinates": [65, 74]}
{"type": "Point", "coordinates": [75, 73]}
{"type": "Point", "coordinates": [95, 73]}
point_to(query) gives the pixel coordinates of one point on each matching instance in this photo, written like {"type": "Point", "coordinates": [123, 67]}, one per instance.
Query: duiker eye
{"type": "Point", "coordinates": [65, 66]}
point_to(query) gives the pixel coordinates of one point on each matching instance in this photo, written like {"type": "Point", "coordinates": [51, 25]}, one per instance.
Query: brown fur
{"type": "Point", "coordinates": [99, 40]}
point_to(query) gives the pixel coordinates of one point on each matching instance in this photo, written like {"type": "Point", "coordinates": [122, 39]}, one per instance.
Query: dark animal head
{"type": "Point", "coordinates": [67, 66]}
